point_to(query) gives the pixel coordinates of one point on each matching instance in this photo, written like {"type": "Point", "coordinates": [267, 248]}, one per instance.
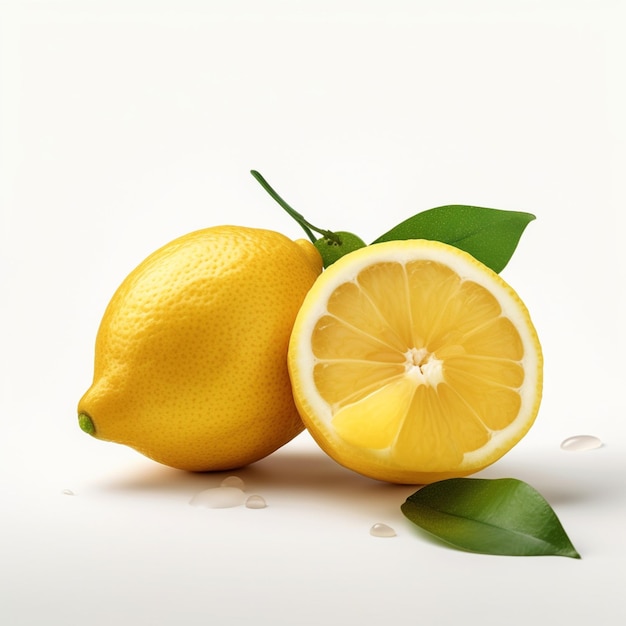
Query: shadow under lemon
{"type": "Point", "coordinates": [298, 474]}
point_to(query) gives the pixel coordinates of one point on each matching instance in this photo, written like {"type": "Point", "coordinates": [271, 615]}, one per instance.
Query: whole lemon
{"type": "Point", "coordinates": [191, 354]}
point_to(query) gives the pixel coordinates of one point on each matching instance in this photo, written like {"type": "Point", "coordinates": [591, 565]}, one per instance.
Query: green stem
{"type": "Point", "coordinates": [306, 226]}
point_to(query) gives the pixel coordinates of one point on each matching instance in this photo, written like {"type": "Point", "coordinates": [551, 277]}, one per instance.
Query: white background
{"type": "Point", "coordinates": [127, 123]}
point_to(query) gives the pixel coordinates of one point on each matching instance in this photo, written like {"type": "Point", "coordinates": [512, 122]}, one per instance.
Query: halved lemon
{"type": "Point", "coordinates": [411, 361]}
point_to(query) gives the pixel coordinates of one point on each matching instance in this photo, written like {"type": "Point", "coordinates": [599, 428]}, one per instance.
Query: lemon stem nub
{"type": "Point", "coordinates": [86, 423]}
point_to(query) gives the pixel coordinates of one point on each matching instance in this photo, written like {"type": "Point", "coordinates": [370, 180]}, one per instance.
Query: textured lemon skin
{"type": "Point", "coordinates": [191, 354]}
{"type": "Point", "coordinates": [317, 417]}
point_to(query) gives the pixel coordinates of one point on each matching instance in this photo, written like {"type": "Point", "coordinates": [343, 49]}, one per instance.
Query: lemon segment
{"type": "Point", "coordinates": [374, 421]}
{"type": "Point", "coordinates": [411, 361]}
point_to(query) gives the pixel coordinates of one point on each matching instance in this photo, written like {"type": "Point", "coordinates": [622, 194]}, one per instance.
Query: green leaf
{"type": "Point", "coordinates": [498, 516]}
{"type": "Point", "coordinates": [490, 235]}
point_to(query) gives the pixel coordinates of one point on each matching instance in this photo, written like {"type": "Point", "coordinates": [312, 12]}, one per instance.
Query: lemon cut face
{"type": "Point", "coordinates": [412, 362]}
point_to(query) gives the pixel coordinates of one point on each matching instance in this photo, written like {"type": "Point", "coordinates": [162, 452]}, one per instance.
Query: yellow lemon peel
{"type": "Point", "coordinates": [191, 354]}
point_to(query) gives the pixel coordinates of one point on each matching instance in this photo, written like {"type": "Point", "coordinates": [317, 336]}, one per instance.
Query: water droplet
{"type": "Point", "coordinates": [67, 492]}
{"type": "Point", "coordinates": [232, 481]}
{"type": "Point", "coordinates": [256, 502]}
{"type": "Point", "coordinates": [219, 498]}
{"type": "Point", "coordinates": [382, 530]}
{"type": "Point", "coordinates": [580, 443]}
